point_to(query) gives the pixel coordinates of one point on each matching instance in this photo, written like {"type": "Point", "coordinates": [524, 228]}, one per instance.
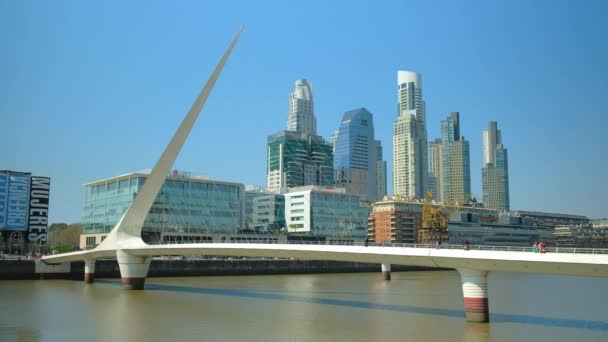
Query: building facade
{"type": "Point", "coordinates": [455, 180]}
{"type": "Point", "coordinates": [410, 150]}
{"type": "Point", "coordinates": [269, 213]}
{"type": "Point", "coordinates": [436, 169]}
{"type": "Point", "coordinates": [381, 185]}
{"type": "Point", "coordinates": [355, 155]}
{"type": "Point", "coordinates": [582, 236]}
{"type": "Point", "coordinates": [325, 212]}
{"type": "Point", "coordinates": [298, 159]}
{"type": "Point", "coordinates": [24, 210]}
{"type": "Point", "coordinates": [184, 205]}
{"type": "Point", "coordinates": [297, 156]}
{"type": "Point", "coordinates": [495, 172]}
{"type": "Point", "coordinates": [398, 219]}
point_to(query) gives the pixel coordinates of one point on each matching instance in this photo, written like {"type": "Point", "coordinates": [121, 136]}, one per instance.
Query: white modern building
{"type": "Point", "coordinates": [495, 172]}
{"type": "Point", "coordinates": [410, 153]}
{"type": "Point", "coordinates": [301, 109]}
{"type": "Point", "coordinates": [325, 212]}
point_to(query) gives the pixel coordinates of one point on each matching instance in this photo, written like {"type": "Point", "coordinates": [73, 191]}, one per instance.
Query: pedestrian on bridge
{"type": "Point", "coordinates": [535, 247]}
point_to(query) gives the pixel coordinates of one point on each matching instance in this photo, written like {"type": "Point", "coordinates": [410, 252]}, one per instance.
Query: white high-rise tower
{"type": "Point", "coordinates": [410, 151]}
{"type": "Point", "coordinates": [301, 109]}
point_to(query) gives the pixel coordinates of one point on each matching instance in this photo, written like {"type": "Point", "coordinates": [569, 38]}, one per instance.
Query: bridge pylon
{"type": "Point", "coordinates": [133, 269]}
{"type": "Point", "coordinates": [89, 271]}
{"type": "Point", "coordinates": [475, 293]}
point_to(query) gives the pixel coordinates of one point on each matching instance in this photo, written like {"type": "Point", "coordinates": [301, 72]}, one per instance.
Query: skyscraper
{"type": "Point", "coordinates": [455, 180]}
{"type": "Point", "coordinates": [355, 154]}
{"type": "Point", "coordinates": [301, 109]}
{"type": "Point", "coordinates": [297, 156]}
{"type": "Point", "coordinates": [435, 168]}
{"type": "Point", "coordinates": [495, 173]}
{"type": "Point", "coordinates": [410, 153]}
{"type": "Point", "coordinates": [381, 172]}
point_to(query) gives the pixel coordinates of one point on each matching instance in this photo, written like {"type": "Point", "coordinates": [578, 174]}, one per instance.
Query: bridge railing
{"type": "Point", "coordinates": [419, 245]}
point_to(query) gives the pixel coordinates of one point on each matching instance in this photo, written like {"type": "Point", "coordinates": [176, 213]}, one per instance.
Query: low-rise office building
{"type": "Point", "coordinates": [269, 213]}
{"type": "Point", "coordinates": [506, 231]}
{"type": "Point", "coordinates": [398, 219]}
{"type": "Point", "coordinates": [326, 212]}
{"type": "Point", "coordinates": [186, 208]}
{"type": "Point", "coordinates": [593, 235]}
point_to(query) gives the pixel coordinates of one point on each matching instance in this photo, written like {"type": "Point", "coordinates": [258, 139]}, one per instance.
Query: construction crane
{"type": "Point", "coordinates": [435, 220]}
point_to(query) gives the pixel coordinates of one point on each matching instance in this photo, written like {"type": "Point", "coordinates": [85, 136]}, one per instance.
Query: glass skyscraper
{"type": "Point", "coordinates": [298, 159]}
{"type": "Point", "coordinates": [355, 155]}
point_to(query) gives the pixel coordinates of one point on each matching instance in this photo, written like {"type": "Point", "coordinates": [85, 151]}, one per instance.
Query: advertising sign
{"type": "Point", "coordinates": [3, 199]}
{"type": "Point", "coordinates": [38, 209]}
{"type": "Point", "coordinates": [17, 203]}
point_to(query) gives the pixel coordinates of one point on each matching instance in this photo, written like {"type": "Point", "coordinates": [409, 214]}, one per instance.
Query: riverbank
{"type": "Point", "coordinates": [26, 269]}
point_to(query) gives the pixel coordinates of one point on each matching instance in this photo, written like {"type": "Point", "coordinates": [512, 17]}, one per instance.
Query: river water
{"type": "Point", "coordinates": [413, 306]}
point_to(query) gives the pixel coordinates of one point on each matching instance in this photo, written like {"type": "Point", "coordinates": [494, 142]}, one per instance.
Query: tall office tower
{"type": "Point", "coordinates": [435, 168]}
{"type": "Point", "coordinates": [455, 161]}
{"type": "Point", "coordinates": [301, 109]}
{"type": "Point", "coordinates": [495, 173]}
{"type": "Point", "coordinates": [297, 156]}
{"type": "Point", "coordinates": [355, 156]}
{"type": "Point", "coordinates": [410, 152]}
{"type": "Point", "coordinates": [380, 172]}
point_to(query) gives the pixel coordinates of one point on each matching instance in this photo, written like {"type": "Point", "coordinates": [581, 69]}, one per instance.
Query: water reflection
{"type": "Point", "coordinates": [420, 306]}
{"type": "Point", "coordinates": [476, 332]}
{"type": "Point", "coordinates": [19, 334]}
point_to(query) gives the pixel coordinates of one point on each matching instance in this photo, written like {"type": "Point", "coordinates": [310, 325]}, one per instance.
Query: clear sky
{"type": "Point", "coordinates": [92, 90]}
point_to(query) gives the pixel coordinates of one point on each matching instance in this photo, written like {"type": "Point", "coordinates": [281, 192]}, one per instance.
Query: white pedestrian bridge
{"type": "Point", "coordinates": [134, 258]}
{"type": "Point", "coordinates": [125, 244]}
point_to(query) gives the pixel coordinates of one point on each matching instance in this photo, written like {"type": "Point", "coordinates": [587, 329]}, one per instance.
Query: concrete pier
{"type": "Point", "coordinates": [475, 293]}
{"type": "Point", "coordinates": [386, 271]}
{"type": "Point", "coordinates": [133, 269]}
{"type": "Point", "coordinates": [89, 271]}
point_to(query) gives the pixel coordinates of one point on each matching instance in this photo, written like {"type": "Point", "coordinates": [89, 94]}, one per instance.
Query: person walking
{"type": "Point", "coordinates": [466, 245]}
{"type": "Point", "coordinates": [535, 247]}
{"type": "Point", "coordinates": [543, 247]}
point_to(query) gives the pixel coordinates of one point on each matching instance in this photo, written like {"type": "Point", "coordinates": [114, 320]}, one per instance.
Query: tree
{"type": "Point", "coordinates": [64, 237]}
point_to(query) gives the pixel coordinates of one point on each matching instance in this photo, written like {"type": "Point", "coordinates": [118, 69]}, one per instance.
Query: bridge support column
{"type": "Point", "coordinates": [89, 271]}
{"type": "Point", "coordinates": [386, 271]}
{"type": "Point", "coordinates": [133, 269]}
{"type": "Point", "coordinates": [475, 293]}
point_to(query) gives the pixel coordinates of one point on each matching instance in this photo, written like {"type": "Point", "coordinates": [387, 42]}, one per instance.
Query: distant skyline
{"type": "Point", "coordinates": [94, 90]}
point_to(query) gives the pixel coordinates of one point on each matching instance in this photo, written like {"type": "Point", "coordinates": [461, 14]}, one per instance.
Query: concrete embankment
{"type": "Point", "coordinates": [28, 269]}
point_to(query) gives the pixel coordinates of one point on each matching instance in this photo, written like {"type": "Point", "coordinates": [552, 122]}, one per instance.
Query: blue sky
{"type": "Point", "coordinates": [91, 90]}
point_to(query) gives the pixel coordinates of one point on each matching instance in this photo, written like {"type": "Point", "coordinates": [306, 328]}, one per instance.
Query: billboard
{"type": "Point", "coordinates": [24, 205]}
{"type": "Point", "coordinates": [17, 204]}
{"type": "Point", "coordinates": [39, 209]}
{"type": "Point", "coordinates": [3, 199]}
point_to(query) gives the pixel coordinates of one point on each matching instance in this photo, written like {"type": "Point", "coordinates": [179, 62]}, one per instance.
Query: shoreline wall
{"type": "Point", "coordinates": [26, 269]}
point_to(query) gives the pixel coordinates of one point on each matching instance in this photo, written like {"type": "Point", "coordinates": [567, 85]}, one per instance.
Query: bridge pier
{"type": "Point", "coordinates": [89, 271]}
{"type": "Point", "coordinates": [133, 269]}
{"type": "Point", "coordinates": [386, 271]}
{"type": "Point", "coordinates": [475, 293]}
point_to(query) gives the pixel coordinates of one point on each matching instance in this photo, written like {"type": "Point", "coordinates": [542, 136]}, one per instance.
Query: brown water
{"type": "Point", "coordinates": [414, 306]}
